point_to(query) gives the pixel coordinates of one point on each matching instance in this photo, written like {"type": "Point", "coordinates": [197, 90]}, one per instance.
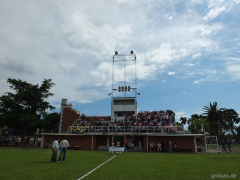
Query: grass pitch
{"type": "Point", "coordinates": [23, 164]}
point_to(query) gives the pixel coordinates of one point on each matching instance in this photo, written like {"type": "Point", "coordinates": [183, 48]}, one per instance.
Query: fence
{"type": "Point", "coordinates": [124, 129]}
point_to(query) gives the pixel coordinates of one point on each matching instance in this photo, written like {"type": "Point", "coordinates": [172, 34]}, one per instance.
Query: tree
{"type": "Point", "coordinates": [238, 132]}
{"type": "Point", "coordinates": [178, 124]}
{"type": "Point", "coordinates": [221, 120]}
{"type": "Point", "coordinates": [51, 121]}
{"type": "Point", "coordinates": [25, 108]}
{"type": "Point", "coordinates": [198, 125]}
{"type": "Point", "coordinates": [230, 117]}
{"type": "Point", "coordinates": [183, 120]}
{"type": "Point", "coordinates": [214, 117]}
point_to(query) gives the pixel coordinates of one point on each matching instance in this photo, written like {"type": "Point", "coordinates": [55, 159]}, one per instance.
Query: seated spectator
{"type": "Point", "coordinates": [166, 147]}
{"type": "Point", "coordinates": [176, 147]}
{"type": "Point", "coordinates": [131, 146]}
{"type": "Point", "coordinates": [159, 147]}
{"type": "Point", "coordinates": [152, 147]}
{"type": "Point", "coordinates": [163, 146]}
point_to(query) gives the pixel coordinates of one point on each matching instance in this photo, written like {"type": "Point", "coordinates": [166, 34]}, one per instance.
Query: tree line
{"type": "Point", "coordinates": [26, 109]}
{"type": "Point", "coordinates": [220, 122]}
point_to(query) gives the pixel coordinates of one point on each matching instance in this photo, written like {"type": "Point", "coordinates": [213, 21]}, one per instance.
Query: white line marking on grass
{"type": "Point", "coordinates": [96, 168]}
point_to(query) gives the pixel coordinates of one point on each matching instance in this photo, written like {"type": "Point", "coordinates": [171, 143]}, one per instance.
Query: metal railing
{"type": "Point", "coordinates": [125, 129]}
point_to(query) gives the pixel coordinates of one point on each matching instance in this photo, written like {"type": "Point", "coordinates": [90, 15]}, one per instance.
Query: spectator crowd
{"type": "Point", "coordinates": [162, 121]}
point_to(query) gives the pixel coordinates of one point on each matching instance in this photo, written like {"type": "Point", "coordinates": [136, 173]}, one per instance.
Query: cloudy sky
{"type": "Point", "coordinates": [188, 52]}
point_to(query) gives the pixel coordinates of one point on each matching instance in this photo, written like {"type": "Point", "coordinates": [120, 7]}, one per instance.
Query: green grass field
{"type": "Point", "coordinates": [23, 164]}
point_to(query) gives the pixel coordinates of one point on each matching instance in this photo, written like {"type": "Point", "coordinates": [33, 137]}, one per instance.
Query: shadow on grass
{"type": "Point", "coordinates": [45, 162]}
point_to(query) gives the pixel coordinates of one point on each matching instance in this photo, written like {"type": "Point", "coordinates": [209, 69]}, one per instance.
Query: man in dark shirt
{"type": "Point", "coordinates": [229, 145]}
{"type": "Point", "coordinates": [127, 142]}
{"type": "Point", "coordinates": [223, 146]}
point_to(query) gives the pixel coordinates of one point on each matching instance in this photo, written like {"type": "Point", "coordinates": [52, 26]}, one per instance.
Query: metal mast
{"type": "Point", "coordinates": [125, 58]}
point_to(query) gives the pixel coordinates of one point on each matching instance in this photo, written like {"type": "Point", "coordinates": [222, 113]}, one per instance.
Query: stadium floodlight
{"type": "Point", "coordinates": [119, 88]}
{"type": "Point", "coordinates": [139, 94]}
{"type": "Point", "coordinates": [131, 52]}
{"type": "Point", "coordinates": [122, 88]}
{"type": "Point", "coordinates": [125, 88]}
{"type": "Point", "coordinates": [116, 53]}
{"type": "Point", "coordinates": [128, 88]}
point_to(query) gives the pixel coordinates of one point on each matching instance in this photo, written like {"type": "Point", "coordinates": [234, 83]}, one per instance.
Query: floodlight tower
{"type": "Point", "coordinates": [124, 87]}
{"type": "Point", "coordinates": [124, 83]}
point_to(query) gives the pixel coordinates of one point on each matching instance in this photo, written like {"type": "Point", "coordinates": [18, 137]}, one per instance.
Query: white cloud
{"type": "Point", "coordinates": [233, 59]}
{"type": "Point", "coordinates": [191, 73]}
{"type": "Point", "coordinates": [206, 29]}
{"type": "Point", "coordinates": [236, 39]}
{"type": "Point", "coordinates": [180, 114]}
{"type": "Point", "coordinates": [189, 64]}
{"type": "Point", "coordinates": [197, 1]}
{"type": "Point", "coordinates": [164, 54]}
{"type": "Point", "coordinates": [171, 73]}
{"type": "Point", "coordinates": [198, 81]}
{"type": "Point", "coordinates": [196, 55]}
{"type": "Point", "coordinates": [234, 70]}
{"type": "Point", "coordinates": [199, 112]}
{"type": "Point", "coordinates": [213, 13]}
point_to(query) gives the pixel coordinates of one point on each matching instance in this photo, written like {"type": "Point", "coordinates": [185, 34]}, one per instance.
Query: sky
{"type": "Point", "coordinates": [187, 52]}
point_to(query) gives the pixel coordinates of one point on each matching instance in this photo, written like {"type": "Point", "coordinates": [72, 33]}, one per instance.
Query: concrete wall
{"type": "Point", "coordinates": [85, 142]}
{"type": "Point", "coordinates": [123, 107]}
{"type": "Point", "coordinates": [69, 115]}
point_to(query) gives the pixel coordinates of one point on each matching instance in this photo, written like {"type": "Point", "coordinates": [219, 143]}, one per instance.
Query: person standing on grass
{"type": "Point", "coordinates": [54, 150]}
{"type": "Point", "coordinates": [5, 140]}
{"type": "Point", "coordinates": [25, 141]}
{"type": "Point", "coordinates": [131, 146]}
{"type": "Point", "coordinates": [170, 146]}
{"type": "Point", "coordinates": [64, 144]}
{"type": "Point", "coordinates": [159, 147]}
{"type": "Point", "coordinates": [127, 142]}
{"type": "Point", "coordinates": [176, 147]}
{"type": "Point", "coordinates": [223, 146]}
{"type": "Point", "coordinates": [18, 141]}
{"type": "Point", "coordinates": [28, 139]}
{"type": "Point", "coordinates": [39, 141]}
{"type": "Point", "coordinates": [229, 145]}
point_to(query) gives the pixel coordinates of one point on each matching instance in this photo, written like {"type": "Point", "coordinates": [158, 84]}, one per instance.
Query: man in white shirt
{"type": "Point", "coordinates": [18, 141]}
{"type": "Point", "coordinates": [39, 141]}
{"type": "Point", "coordinates": [131, 146]}
{"type": "Point", "coordinates": [159, 147]}
{"type": "Point", "coordinates": [54, 150]}
{"type": "Point", "coordinates": [64, 144]}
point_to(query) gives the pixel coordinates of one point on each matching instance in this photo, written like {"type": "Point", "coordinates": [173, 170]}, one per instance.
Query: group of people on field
{"type": "Point", "coordinates": [164, 147]}
{"type": "Point", "coordinates": [229, 142]}
{"type": "Point", "coordinates": [13, 141]}
{"type": "Point", "coordinates": [62, 148]}
{"type": "Point", "coordinates": [129, 147]}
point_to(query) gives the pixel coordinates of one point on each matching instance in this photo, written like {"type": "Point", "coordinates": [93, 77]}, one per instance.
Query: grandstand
{"type": "Point", "coordinates": [99, 132]}
{"type": "Point", "coordinates": [142, 128]}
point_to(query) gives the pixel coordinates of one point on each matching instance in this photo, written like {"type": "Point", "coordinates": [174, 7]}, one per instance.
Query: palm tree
{"type": "Point", "coordinates": [214, 118]}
